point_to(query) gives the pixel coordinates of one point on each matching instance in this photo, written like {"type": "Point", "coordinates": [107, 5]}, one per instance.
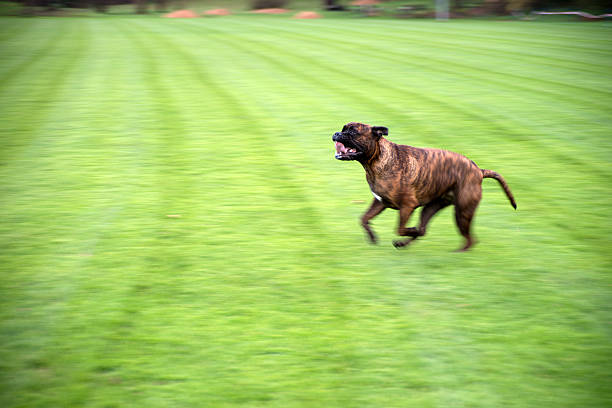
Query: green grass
{"type": "Point", "coordinates": [264, 292]}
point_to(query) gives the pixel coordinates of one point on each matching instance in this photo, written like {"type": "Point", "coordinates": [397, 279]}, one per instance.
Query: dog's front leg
{"type": "Point", "coordinates": [375, 208]}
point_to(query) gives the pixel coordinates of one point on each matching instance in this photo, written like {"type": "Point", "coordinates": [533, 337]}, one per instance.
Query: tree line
{"type": "Point", "coordinates": [493, 7]}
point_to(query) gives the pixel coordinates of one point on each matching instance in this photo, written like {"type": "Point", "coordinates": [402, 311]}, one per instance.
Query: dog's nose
{"type": "Point", "coordinates": [336, 136]}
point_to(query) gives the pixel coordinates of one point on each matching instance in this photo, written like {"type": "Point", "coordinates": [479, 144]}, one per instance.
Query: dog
{"type": "Point", "coordinates": [404, 178]}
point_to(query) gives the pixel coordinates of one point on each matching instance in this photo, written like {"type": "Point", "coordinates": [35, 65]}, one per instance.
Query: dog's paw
{"type": "Point", "coordinates": [400, 244]}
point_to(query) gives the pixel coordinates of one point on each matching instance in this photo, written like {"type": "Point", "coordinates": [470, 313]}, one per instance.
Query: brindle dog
{"type": "Point", "coordinates": [405, 178]}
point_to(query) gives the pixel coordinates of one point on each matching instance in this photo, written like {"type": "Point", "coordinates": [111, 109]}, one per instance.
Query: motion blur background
{"type": "Point", "coordinates": [175, 230]}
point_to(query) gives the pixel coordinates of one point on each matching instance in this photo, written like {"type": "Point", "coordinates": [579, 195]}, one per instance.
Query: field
{"type": "Point", "coordinates": [176, 232]}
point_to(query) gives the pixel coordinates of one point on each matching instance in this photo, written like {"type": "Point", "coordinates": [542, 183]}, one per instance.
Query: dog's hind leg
{"type": "Point", "coordinates": [429, 211]}
{"type": "Point", "coordinates": [465, 207]}
{"type": "Point", "coordinates": [405, 213]}
{"type": "Point", "coordinates": [426, 215]}
{"type": "Point", "coordinates": [464, 220]}
{"type": "Point", "coordinates": [375, 208]}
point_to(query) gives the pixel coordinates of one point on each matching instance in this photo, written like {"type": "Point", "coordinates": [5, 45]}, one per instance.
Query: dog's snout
{"type": "Point", "coordinates": [336, 136]}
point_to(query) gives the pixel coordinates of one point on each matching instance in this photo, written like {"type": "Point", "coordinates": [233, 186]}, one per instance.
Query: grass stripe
{"type": "Point", "coordinates": [517, 35]}
{"type": "Point", "coordinates": [437, 64]}
{"type": "Point", "coordinates": [30, 61]}
{"type": "Point", "coordinates": [14, 28]}
{"type": "Point", "coordinates": [42, 97]}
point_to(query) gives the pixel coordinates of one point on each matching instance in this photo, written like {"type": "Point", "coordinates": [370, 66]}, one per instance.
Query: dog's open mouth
{"type": "Point", "coordinates": [345, 153]}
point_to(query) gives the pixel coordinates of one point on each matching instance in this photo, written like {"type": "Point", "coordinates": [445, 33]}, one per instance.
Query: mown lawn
{"type": "Point", "coordinates": [176, 232]}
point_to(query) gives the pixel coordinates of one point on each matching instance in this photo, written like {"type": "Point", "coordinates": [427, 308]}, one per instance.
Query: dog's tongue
{"type": "Point", "coordinates": [340, 148]}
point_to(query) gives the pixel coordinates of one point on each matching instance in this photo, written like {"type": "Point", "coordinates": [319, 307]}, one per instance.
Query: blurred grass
{"type": "Point", "coordinates": [176, 231]}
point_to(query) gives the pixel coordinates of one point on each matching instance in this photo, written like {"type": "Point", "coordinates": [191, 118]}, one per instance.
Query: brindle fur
{"type": "Point", "coordinates": [406, 177]}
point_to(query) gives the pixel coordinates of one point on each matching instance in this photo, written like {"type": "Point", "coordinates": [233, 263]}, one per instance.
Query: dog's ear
{"type": "Point", "coordinates": [379, 131]}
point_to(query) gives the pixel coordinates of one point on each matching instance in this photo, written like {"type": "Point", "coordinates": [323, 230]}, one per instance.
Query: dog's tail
{"type": "Point", "coordinates": [498, 177]}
